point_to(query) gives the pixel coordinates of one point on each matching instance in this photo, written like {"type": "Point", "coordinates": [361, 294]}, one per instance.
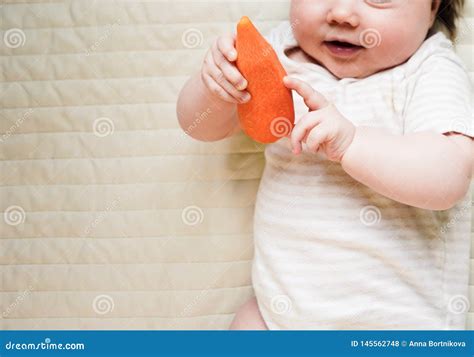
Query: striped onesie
{"type": "Point", "coordinates": [330, 253]}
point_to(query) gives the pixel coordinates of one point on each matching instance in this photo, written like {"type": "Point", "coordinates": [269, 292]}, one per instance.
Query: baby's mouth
{"type": "Point", "coordinates": [342, 49]}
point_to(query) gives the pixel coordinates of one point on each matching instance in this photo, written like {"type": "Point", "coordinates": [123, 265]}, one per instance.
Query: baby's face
{"type": "Point", "coordinates": [387, 31]}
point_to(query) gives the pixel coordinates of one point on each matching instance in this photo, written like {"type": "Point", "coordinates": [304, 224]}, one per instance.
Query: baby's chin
{"type": "Point", "coordinates": [350, 70]}
{"type": "Point", "coordinates": [357, 69]}
{"type": "Point", "coordinates": [341, 68]}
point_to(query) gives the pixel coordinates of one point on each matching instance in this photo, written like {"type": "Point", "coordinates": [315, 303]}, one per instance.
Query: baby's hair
{"type": "Point", "coordinates": [448, 13]}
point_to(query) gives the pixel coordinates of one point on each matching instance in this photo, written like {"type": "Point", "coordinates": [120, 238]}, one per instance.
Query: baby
{"type": "Point", "coordinates": [362, 217]}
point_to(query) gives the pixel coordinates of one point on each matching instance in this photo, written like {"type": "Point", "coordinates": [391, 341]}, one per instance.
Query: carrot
{"type": "Point", "coordinates": [269, 115]}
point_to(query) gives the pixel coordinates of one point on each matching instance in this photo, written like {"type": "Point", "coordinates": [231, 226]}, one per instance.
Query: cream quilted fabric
{"type": "Point", "coordinates": [112, 217]}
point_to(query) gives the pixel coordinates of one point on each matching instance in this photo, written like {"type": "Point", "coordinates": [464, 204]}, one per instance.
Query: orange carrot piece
{"type": "Point", "coordinates": [269, 115]}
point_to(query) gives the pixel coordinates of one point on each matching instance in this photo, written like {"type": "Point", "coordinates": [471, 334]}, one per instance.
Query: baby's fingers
{"type": "Point", "coordinates": [316, 137]}
{"type": "Point", "coordinates": [229, 70]}
{"type": "Point", "coordinates": [225, 44]}
{"type": "Point", "coordinates": [219, 78]}
{"type": "Point", "coordinates": [313, 99]}
{"type": "Point", "coordinates": [216, 89]}
{"type": "Point", "coordinates": [302, 129]}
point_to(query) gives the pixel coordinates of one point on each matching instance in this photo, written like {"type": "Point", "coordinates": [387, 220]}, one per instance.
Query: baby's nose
{"type": "Point", "coordinates": [343, 13]}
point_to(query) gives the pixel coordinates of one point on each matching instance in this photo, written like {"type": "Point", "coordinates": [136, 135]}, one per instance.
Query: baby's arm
{"type": "Point", "coordinates": [423, 169]}
{"type": "Point", "coordinates": [207, 104]}
{"type": "Point", "coordinates": [204, 116]}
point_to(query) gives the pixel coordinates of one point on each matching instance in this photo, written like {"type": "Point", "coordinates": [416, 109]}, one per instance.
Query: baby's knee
{"type": "Point", "coordinates": [248, 317]}
{"type": "Point", "coordinates": [240, 318]}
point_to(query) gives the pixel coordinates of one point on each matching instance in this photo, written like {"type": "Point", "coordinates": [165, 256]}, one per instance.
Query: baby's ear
{"type": "Point", "coordinates": [435, 4]}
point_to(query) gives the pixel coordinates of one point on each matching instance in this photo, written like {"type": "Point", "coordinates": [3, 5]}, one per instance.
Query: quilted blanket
{"type": "Point", "coordinates": [113, 218]}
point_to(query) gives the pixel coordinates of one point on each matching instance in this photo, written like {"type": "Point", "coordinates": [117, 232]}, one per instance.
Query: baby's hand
{"type": "Point", "coordinates": [324, 127]}
{"type": "Point", "coordinates": [220, 75]}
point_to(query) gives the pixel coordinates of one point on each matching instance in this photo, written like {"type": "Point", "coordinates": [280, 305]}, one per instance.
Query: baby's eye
{"type": "Point", "coordinates": [379, 2]}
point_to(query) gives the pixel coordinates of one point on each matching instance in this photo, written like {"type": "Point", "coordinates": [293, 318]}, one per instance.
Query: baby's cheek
{"type": "Point", "coordinates": [396, 46]}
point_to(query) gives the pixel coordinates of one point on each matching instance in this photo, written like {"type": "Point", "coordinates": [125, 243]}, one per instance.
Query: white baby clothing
{"type": "Point", "coordinates": [331, 253]}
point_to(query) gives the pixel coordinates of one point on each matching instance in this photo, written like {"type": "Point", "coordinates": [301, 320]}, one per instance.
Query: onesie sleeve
{"type": "Point", "coordinates": [440, 97]}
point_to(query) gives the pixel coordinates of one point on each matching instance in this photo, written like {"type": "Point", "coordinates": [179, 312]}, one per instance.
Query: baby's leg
{"type": "Point", "coordinates": [248, 317]}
